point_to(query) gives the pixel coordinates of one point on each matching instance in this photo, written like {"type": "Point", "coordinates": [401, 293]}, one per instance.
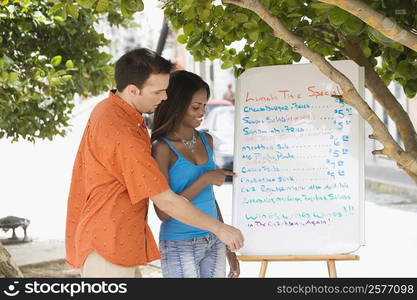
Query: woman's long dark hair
{"type": "Point", "coordinates": [182, 86]}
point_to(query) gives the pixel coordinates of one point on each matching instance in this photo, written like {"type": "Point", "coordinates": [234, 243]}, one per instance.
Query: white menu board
{"type": "Point", "coordinates": [299, 159]}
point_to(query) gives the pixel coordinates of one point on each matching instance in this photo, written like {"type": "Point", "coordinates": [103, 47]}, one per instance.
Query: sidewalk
{"type": "Point", "coordinates": [390, 180]}
{"type": "Point", "coordinates": [38, 252]}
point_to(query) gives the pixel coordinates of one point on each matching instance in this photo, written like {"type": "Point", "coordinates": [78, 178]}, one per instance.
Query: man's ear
{"type": "Point", "coordinates": [134, 90]}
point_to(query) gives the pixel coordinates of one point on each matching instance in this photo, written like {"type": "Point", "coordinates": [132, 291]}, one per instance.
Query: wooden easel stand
{"type": "Point", "coordinates": [330, 259]}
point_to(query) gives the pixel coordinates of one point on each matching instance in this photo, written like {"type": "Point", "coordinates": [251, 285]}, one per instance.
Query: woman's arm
{"type": "Point", "coordinates": [213, 177]}
{"type": "Point", "coordinates": [161, 153]}
{"type": "Point", "coordinates": [231, 256]}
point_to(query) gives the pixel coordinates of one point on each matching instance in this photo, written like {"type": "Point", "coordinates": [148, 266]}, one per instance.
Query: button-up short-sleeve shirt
{"type": "Point", "coordinates": [113, 177]}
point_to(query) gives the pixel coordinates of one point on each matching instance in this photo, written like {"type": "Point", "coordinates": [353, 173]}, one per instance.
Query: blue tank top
{"type": "Point", "coordinates": [181, 175]}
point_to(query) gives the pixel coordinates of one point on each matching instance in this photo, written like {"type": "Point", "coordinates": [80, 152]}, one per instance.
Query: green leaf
{"type": "Point", "coordinates": [232, 51]}
{"type": "Point", "coordinates": [367, 51]}
{"type": "Point", "coordinates": [320, 5]}
{"type": "Point", "coordinates": [129, 7]}
{"type": "Point", "coordinates": [267, 60]}
{"type": "Point", "coordinates": [227, 65]}
{"type": "Point", "coordinates": [250, 25]}
{"type": "Point", "coordinates": [72, 10]}
{"type": "Point", "coordinates": [397, 46]}
{"type": "Point", "coordinates": [292, 3]}
{"type": "Point", "coordinates": [102, 5]}
{"type": "Point", "coordinates": [218, 10]}
{"type": "Point", "coordinates": [266, 3]}
{"type": "Point", "coordinates": [182, 39]}
{"type": "Point", "coordinates": [86, 3]}
{"type": "Point", "coordinates": [205, 15]}
{"type": "Point", "coordinates": [4, 76]}
{"type": "Point", "coordinates": [412, 84]}
{"type": "Point", "coordinates": [69, 64]}
{"type": "Point", "coordinates": [59, 19]}
{"type": "Point", "coordinates": [294, 15]}
{"type": "Point", "coordinates": [55, 8]}
{"type": "Point", "coordinates": [64, 14]}
{"type": "Point", "coordinates": [61, 72]}
{"type": "Point", "coordinates": [189, 28]}
{"type": "Point", "coordinates": [338, 16]}
{"type": "Point", "coordinates": [13, 77]}
{"type": "Point", "coordinates": [402, 68]}
{"type": "Point", "coordinates": [253, 35]}
{"type": "Point", "coordinates": [194, 41]}
{"type": "Point", "coordinates": [191, 14]}
{"type": "Point", "coordinates": [56, 61]}
{"type": "Point", "coordinates": [7, 61]}
{"type": "Point", "coordinates": [352, 26]}
{"type": "Point", "coordinates": [378, 37]}
{"type": "Point", "coordinates": [409, 92]}
{"type": "Point", "coordinates": [241, 18]}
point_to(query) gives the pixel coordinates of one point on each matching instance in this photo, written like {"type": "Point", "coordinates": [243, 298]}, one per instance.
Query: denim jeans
{"type": "Point", "coordinates": [202, 257]}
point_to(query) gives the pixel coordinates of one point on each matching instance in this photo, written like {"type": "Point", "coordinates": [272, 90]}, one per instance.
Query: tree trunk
{"type": "Point", "coordinates": [350, 96]}
{"type": "Point", "coordinates": [377, 21]}
{"type": "Point", "coordinates": [384, 97]}
{"type": "Point", "coordinates": [7, 267]}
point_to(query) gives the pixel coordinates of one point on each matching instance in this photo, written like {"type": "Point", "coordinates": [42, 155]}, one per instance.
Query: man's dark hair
{"type": "Point", "coordinates": [135, 67]}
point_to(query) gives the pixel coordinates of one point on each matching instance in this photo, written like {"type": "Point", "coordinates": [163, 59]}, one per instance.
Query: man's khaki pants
{"type": "Point", "coordinates": [96, 266]}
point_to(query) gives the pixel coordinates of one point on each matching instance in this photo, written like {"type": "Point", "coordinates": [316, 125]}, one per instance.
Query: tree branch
{"type": "Point", "coordinates": [378, 152]}
{"type": "Point", "coordinates": [373, 18]}
{"type": "Point", "coordinates": [350, 95]}
{"type": "Point", "coordinates": [384, 97]}
{"type": "Point", "coordinates": [326, 31]}
{"type": "Point", "coordinates": [326, 43]}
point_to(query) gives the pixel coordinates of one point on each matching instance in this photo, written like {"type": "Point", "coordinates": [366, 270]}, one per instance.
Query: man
{"type": "Point", "coordinates": [229, 95]}
{"type": "Point", "coordinates": [114, 176]}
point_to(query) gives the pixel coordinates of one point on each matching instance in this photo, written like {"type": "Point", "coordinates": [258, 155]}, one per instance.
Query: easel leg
{"type": "Point", "coordinates": [262, 272]}
{"type": "Point", "coordinates": [331, 266]}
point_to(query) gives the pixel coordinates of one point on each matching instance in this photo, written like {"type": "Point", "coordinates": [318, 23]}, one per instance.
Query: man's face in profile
{"type": "Point", "coordinates": [152, 93]}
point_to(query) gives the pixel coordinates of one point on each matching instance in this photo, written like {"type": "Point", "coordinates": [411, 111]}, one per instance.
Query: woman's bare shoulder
{"type": "Point", "coordinates": [159, 147]}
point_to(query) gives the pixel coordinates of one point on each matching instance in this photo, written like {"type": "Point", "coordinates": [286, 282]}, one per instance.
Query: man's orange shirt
{"type": "Point", "coordinates": [113, 177]}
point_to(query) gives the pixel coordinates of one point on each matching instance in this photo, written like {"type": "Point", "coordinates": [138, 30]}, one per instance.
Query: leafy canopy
{"type": "Point", "coordinates": [50, 51]}
{"type": "Point", "coordinates": [210, 30]}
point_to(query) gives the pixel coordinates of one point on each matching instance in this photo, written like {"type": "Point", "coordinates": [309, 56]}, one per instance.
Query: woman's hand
{"type": "Point", "coordinates": [233, 264]}
{"type": "Point", "coordinates": [216, 177]}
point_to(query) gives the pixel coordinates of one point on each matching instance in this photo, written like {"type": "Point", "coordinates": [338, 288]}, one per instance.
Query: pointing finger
{"type": "Point", "coordinates": [229, 173]}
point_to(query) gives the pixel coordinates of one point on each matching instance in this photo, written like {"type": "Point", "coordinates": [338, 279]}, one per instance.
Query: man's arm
{"type": "Point", "coordinates": [181, 209]}
{"type": "Point", "coordinates": [143, 179]}
{"type": "Point", "coordinates": [161, 153]}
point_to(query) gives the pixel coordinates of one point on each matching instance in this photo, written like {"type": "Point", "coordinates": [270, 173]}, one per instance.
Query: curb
{"type": "Point", "coordinates": [382, 186]}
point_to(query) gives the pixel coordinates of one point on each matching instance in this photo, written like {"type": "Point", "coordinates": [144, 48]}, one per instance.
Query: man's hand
{"type": "Point", "coordinates": [230, 236]}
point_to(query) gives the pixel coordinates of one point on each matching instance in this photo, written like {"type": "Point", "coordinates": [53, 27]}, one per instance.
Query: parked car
{"type": "Point", "coordinates": [219, 122]}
